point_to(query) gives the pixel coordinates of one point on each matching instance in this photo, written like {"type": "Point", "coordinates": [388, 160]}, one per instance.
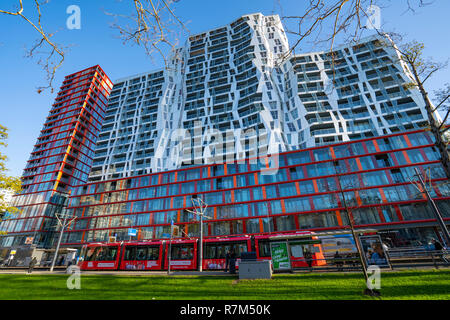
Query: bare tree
{"type": "Point", "coordinates": [442, 101]}
{"type": "Point", "coordinates": [421, 70]}
{"type": "Point", "coordinates": [323, 20]}
{"type": "Point", "coordinates": [50, 61]}
{"type": "Point", "coordinates": [350, 219]}
{"type": "Point", "coordinates": [154, 26]}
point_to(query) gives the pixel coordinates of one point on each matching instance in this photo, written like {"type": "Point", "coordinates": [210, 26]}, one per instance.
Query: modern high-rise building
{"type": "Point", "coordinates": [163, 129]}
{"type": "Point", "coordinates": [61, 158]}
{"type": "Point", "coordinates": [204, 126]}
{"type": "Point", "coordinates": [219, 88]}
{"type": "Point", "coordinates": [357, 91]}
{"type": "Point", "coordinates": [228, 95]}
{"type": "Point", "coordinates": [307, 193]}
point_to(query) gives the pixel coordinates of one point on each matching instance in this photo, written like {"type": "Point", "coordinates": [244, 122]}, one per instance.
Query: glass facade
{"type": "Point", "coordinates": [241, 200]}
{"type": "Point", "coordinates": [61, 159]}
{"type": "Point", "coordinates": [134, 143]}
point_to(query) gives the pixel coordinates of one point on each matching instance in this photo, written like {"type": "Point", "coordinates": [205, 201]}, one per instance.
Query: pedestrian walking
{"type": "Point", "coordinates": [308, 258]}
{"type": "Point", "coordinates": [31, 265]}
{"type": "Point", "coordinates": [61, 261]}
{"type": "Point", "coordinates": [437, 245]}
{"type": "Point", "coordinates": [338, 261]}
{"type": "Point", "coordinates": [232, 262]}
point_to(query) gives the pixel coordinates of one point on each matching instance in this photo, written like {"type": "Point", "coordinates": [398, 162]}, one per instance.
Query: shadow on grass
{"type": "Point", "coordinates": [425, 291]}
{"type": "Point", "coordinates": [398, 285]}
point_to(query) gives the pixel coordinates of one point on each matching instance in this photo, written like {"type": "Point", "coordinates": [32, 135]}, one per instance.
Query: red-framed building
{"type": "Point", "coordinates": [61, 158]}
{"type": "Point", "coordinates": [303, 194]}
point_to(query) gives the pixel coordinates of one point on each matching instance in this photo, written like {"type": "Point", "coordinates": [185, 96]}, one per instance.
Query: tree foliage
{"type": "Point", "coordinates": [6, 182]}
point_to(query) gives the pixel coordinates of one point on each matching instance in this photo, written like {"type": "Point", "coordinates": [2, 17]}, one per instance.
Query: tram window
{"type": "Point", "coordinates": [210, 252]}
{"type": "Point", "coordinates": [130, 253]}
{"type": "Point", "coordinates": [222, 251]}
{"type": "Point", "coordinates": [141, 253]}
{"type": "Point", "coordinates": [218, 251]}
{"type": "Point", "coordinates": [153, 253]}
{"type": "Point", "coordinates": [106, 254]}
{"type": "Point", "coordinates": [112, 253]}
{"type": "Point", "coordinates": [264, 249]}
{"type": "Point", "coordinates": [175, 253]}
{"type": "Point", "coordinates": [184, 252]}
{"type": "Point", "coordinates": [90, 254]}
{"type": "Point", "coordinates": [99, 252]}
{"type": "Point", "coordinates": [239, 248]}
{"type": "Point", "coordinates": [296, 250]}
{"type": "Point", "coordinates": [83, 252]}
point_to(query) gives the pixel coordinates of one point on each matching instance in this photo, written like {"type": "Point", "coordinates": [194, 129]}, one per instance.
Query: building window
{"type": "Point", "coordinates": [285, 223]}
{"type": "Point", "coordinates": [317, 220]}
{"type": "Point", "coordinates": [416, 211]}
{"type": "Point", "coordinates": [297, 205]}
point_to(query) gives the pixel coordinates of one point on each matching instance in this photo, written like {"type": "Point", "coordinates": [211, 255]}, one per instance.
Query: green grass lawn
{"type": "Point", "coordinates": [430, 284]}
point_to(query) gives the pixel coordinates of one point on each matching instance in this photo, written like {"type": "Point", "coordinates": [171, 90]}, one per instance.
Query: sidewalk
{"type": "Point", "coordinates": [126, 273]}
{"type": "Point", "coordinates": [198, 273]}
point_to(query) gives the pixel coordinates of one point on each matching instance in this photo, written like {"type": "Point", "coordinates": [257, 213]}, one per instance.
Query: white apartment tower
{"type": "Point", "coordinates": [227, 95]}
{"type": "Point", "coordinates": [364, 95]}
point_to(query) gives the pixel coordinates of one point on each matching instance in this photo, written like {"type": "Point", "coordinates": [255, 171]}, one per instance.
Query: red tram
{"type": "Point", "coordinates": [183, 255]}
{"type": "Point", "coordinates": [214, 251]}
{"type": "Point", "coordinates": [154, 255]}
{"type": "Point", "coordinates": [100, 256]}
{"type": "Point", "coordinates": [142, 256]}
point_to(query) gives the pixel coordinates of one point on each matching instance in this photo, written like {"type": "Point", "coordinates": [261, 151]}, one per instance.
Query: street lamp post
{"type": "Point", "coordinates": [170, 248]}
{"type": "Point", "coordinates": [63, 225]}
{"type": "Point", "coordinates": [352, 227]}
{"type": "Point", "coordinates": [199, 210]}
{"type": "Point", "coordinates": [201, 243]}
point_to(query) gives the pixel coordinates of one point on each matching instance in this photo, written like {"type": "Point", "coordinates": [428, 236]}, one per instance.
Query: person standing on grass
{"type": "Point", "coordinates": [31, 265]}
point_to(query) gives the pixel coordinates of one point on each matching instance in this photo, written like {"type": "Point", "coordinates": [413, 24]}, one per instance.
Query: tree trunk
{"type": "Point", "coordinates": [434, 126]}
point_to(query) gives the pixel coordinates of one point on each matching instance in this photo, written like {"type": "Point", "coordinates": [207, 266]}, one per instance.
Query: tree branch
{"type": "Point", "coordinates": [48, 66]}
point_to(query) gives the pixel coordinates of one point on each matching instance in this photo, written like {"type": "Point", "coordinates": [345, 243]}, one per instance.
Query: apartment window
{"type": "Point", "coordinates": [317, 220]}
{"type": "Point", "coordinates": [285, 223]}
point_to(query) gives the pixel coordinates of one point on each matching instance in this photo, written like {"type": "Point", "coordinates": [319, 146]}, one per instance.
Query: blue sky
{"type": "Point", "coordinates": [23, 110]}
